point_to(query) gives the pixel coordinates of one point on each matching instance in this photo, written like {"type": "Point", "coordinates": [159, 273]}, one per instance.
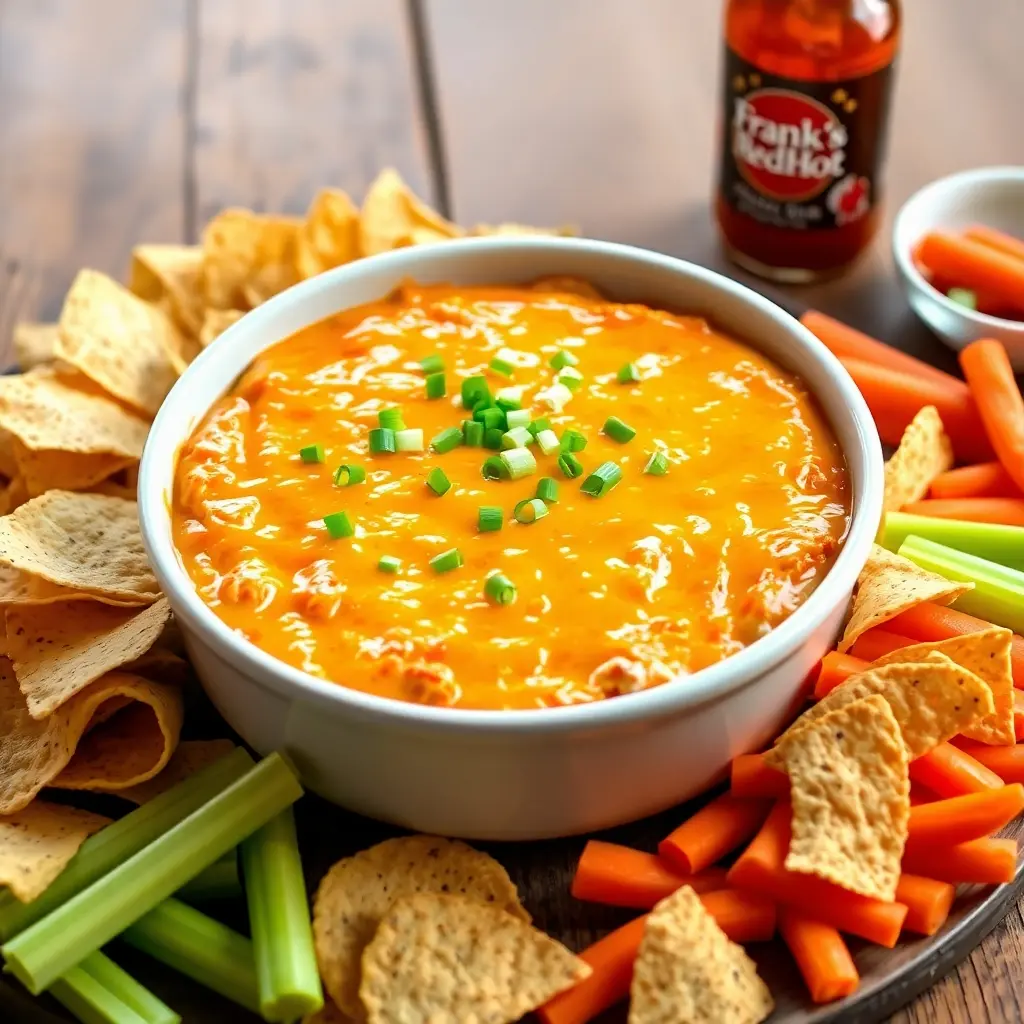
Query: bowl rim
{"type": "Point", "coordinates": [902, 252]}
{"type": "Point", "coordinates": [714, 682]}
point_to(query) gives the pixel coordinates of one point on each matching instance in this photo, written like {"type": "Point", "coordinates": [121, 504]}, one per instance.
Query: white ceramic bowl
{"type": "Point", "coordinates": [513, 774]}
{"type": "Point", "coordinates": [993, 196]}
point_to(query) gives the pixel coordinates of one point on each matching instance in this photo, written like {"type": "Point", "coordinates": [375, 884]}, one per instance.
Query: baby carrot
{"type": "Point", "coordinates": [1004, 511]}
{"type": "Point", "coordinates": [974, 266]}
{"type": "Point", "coordinates": [623, 877]}
{"type": "Point", "coordinates": [743, 916]}
{"type": "Point", "coordinates": [895, 398]}
{"type": "Point", "coordinates": [928, 900]}
{"type": "Point", "coordinates": [836, 668]}
{"type": "Point", "coordinates": [934, 622]}
{"type": "Point", "coordinates": [990, 378]}
{"type": "Point", "coordinates": [982, 480]}
{"type": "Point", "coordinates": [751, 777]}
{"type": "Point", "coordinates": [715, 830]}
{"type": "Point", "coordinates": [1006, 762]}
{"type": "Point", "coordinates": [846, 342]}
{"type": "Point", "coordinates": [761, 868]}
{"type": "Point", "coordinates": [949, 771]}
{"type": "Point", "coordinates": [1018, 715]}
{"type": "Point", "coordinates": [877, 642]}
{"type": "Point", "coordinates": [820, 953]}
{"type": "Point", "coordinates": [998, 240]}
{"type": "Point", "coordinates": [981, 861]}
{"type": "Point", "coordinates": [960, 819]}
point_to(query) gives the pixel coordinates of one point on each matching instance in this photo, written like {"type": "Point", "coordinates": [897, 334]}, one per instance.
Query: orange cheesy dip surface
{"type": "Point", "coordinates": [732, 500]}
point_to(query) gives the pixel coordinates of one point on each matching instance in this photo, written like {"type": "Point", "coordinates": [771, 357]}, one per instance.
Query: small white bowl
{"type": "Point", "coordinates": [993, 196]}
{"type": "Point", "coordinates": [513, 774]}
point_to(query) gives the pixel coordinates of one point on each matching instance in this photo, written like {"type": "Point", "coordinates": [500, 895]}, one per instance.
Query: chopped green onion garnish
{"type": "Point", "coordinates": [518, 418]}
{"type": "Point", "coordinates": [530, 511]}
{"type": "Point", "coordinates": [539, 424]}
{"type": "Point", "coordinates": [617, 430]}
{"type": "Point", "coordinates": [438, 482]}
{"type": "Point", "coordinates": [547, 489]}
{"type": "Point", "coordinates": [436, 385]}
{"type": "Point", "coordinates": [571, 378]}
{"type": "Point", "coordinates": [562, 359]}
{"type": "Point", "coordinates": [410, 440]}
{"type": "Point", "coordinates": [472, 433]}
{"type": "Point", "coordinates": [448, 439]}
{"type": "Point", "coordinates": [556, 397]}
{"type": "Point", "coordinates": [570, 465]}
{"type": "Point", "coordinates": [602, 480]}
{"type": "Point", "coordinates": [312, 453]}
{"type": "Point", "coordinates": [391, 418]}
{"type": "Point", "coordinates": [628, 374]}
{"type": "Point", "coordinates": [963, 297]}
{"type": "Point", "coordinates": [432, 364]}
{"type": "Point", "coordinates": [494, 468]}
{"type": "Point", "coordinates": [346, 476]}
{"type": "Point", "coordinates": [389, 564]}
{"type": "Point", "coordinates": [339, 525]}
{"type": "Point", "coordinates": [473, 390]}
{"type": "Point", "coordinates": [657, 464]}
{"type": "Point", "coordinates": [547, 441]}
{"type": "Point", "coordinates": [519, 462]}
{"type": "Point", "coordinates": [509, 398]}
{"type": "Point", "coordinates": [446, 561]}
{"type": "Point", "coordinates": [489, 518]}
{"type": "Point", "coordinates": [517, 437]}
{"type": "Point", "coordinates": [492, 438]}
{"type": "Point", "coordinates": [499, 589]}
{"type": "Point", "coordinates": [382, 441]}
{"type": "Point", "coordinates": [573, 441]}
{"type": "Point", "coordinates": [492, 416]}
{"type": "Point", "coordinates": [501, 366]}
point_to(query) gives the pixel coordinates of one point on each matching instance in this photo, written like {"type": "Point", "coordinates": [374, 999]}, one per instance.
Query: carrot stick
{"type": "Point", "coordinates": [998, 240]}
{"type": "Point", "coordinates": [752, 778]}
{"type": "Point", "coordinates": [761, 867]}
{"type": "Point", "coordinates": [895, 399]}
{"type": "Point", "coordinates": [990, 378]}
{"type": "Point", "coordinates": [974, 266]}
{"type": "Point", "coordinates": [877, 642]}
{"type": "Point", "coordinates": [715, 830]}
{"type": "Point", "coordinates": [623, 877]}
{"type": "Point", "coordinates": [933, 622]}
{"type": "Point", "coordinates": [981, 861]}
{"type": "Point", "coordinates": [960, 819]}
{"type": "Point", "coordinates": [836, 668]}
{"type": "Point", "coordinates": [743, 916]}
{"type": "Point", "coordinates": [1018, 715]}
{"type": "Point", "coordinates": [1006, 511]}
{"type": "Point", "coordinates": [982, 480]}
{"type": "Point", "coordinates": [949, 771]}
{"type": "Point", "coordinates": [928, 900]}
{"type": "Point", "coordinates": [1006, 762]}
{"type": "Point", "coordinates": [848, 343]}
{"type": "Point", "coordinates": [821, 955]}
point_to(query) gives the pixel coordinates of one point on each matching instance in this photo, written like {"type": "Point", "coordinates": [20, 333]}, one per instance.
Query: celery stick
{"type": "Point", "coordinates": [220, 881]}
{"type": "Point", "coordinates": [998, 594]}
{"type": "Point", "coordinates": [83, 996]}
{"type": "Point", "coordinates": [997, 543]}
{"type": "Point", "coordinates": [113, 845]}
{"type": "Point", "coordinates": [201, 948]}
{"type": "Point", "coordinates": [121, 984]}
{"type": "Point", "coordinates": [282, 936]}
{"type": "Point", "coordinates": [42, 953]}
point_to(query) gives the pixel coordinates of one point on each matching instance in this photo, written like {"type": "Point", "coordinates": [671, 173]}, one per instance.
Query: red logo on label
{"type": "Point", "coordinates": [787, 146]}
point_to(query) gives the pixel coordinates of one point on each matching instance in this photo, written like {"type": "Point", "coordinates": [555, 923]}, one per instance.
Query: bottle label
{"type": "Point", "coordinates": [800, 154]}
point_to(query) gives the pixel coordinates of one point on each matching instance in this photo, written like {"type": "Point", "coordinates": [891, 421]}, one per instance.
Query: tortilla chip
{"type": "Point", "coordinates": [986, 654]}
{"type": "Point", "coordinates": [391, 216]}
{"type": "Point", "coordinates": [89, 543]}
{"type": "Point", "coordinates": [329, 237]}
{"type": "Point", "coordinates": [37, 842]}
{"type": "Point", "coordinates": [12, 495]}
{"type": "Point", "coordinates": [687, 969]}
{"type": "Point", "coordinates": [171, 272]}
{"type": "Point", "coordinates": [162, 666]}
{"type": "Point", "coordinates": [69, 750]}
{"type": "Point", "coordinates": [358, 891]}
{"type": "Point", "coordinates": [216, 322]}
{"type": "Point", "coordinates": [35, 344]}
{"type": "Point", "coordinates": [890, 584]}
{"type": "Point", "coordinates": [932, 700]}
{"type": "Point", "coordinates": [42, 471]}
{"type": "Point", "coordinates": [924, 452]}
{"type": "Point", "coordinates": [8, 467]}
{"type": "Point", "coordinates": [441, 957]}
{"type": "Point", "coordinates": [118, 341]}
{"type": "Point", "coordinates": [24, 588]}
{"type": "Point", "coordinates": [59, 648]}
{"type": "Point", "coordinates": [519, 230]}
{"type": "Point", "coordinates": [851, 796]}
{"type": "Point", "coordinates": [191, 756]}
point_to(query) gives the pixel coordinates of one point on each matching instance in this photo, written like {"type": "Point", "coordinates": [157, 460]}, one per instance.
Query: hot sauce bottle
{"type": "Point", "coordinates": [806, 94]}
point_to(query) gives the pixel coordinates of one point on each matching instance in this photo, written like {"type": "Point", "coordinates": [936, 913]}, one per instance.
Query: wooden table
{"type": "Point", "coordinates": [123, 121]}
